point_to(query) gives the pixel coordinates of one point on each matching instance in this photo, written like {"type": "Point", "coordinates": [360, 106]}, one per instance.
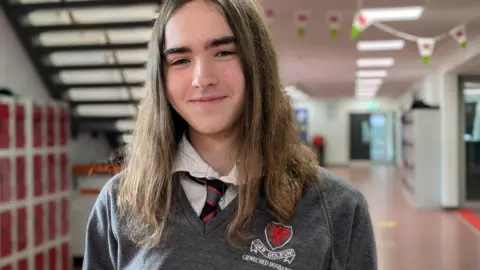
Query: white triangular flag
{"type": "Point", "coordinates": [426, 47]}
{"type": "Point", "coordinates": [301, 21]}
{"type": "Point", "coordinates": [333, 19]}
{"type": "Point", "coordinates": [460, 35]}
{"type": "Point", "coordinates": [270, 15]}
{"type": "Point", "coordinates": [360, 23]}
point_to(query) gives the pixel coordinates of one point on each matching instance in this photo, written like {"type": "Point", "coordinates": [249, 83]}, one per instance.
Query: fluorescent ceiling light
{"type": "Point", "coordinates": [371, 73]}
{"type": "Point", "coordinates": [294, 93]}
{"type": "Point", "coordinates": [375, 62]}
{"type": "Point", "coordinates": [125, 125]}
{"type": "Point", "coordinates": [393, 14]}
{"type": "Point", "coordinates": [366, 94]}
{"type": "Point", "coordinates": [106, 110]}
{"type": "Point", "coordinates": [127, 138]}
{"type": "Point", "coordinates": [362, 82]}
{"type": "Point", "coordinates": [381, 45]}
{"type": "Point", "coordinates": [471, 91]}
{"type": "Point", "coordinates": [366, 89]}
{"type": "Point", "coordinates": [97, 94]}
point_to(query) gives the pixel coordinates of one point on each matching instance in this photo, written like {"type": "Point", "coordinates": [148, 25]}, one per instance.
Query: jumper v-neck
{"type": "Point", "coordinates": [204, 228]}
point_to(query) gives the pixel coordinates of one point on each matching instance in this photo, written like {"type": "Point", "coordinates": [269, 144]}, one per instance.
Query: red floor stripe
{"type": "Point", "coordinates": [471, 217]}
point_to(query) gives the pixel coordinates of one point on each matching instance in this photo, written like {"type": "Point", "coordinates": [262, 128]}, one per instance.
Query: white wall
{"type": "Point", "coordinates": [16, 70]}
{"type": "Point", "coordinates": [19, 74]}
{"type": "Point", "coordinates": [330, 118]}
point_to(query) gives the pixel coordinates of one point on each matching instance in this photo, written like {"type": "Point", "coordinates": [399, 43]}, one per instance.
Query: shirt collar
{"type": "Point", "coordinates": [188, 160]}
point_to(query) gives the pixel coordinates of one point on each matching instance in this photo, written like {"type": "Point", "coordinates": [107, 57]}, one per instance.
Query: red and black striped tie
{"type": "Point", "coordinates": [215, 191]}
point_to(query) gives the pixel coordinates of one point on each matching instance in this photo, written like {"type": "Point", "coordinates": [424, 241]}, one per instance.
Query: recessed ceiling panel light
{"type": "Point", "coordinates": [361, 82]}
{"type": "Point", "coordinates": [393, 14]}
{"type": "Point", "coordinates": [471, 91]}
{"type": "Point", "coordinates": [375, 62]}
{"type": "Point", "coordinates": [371, 73]}
{"type": "Point", "coordinates": [381, 45]}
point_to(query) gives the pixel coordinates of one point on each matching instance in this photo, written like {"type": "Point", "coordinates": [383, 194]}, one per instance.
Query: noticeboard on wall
{"type": "Point", "coordinates": [301, 116]}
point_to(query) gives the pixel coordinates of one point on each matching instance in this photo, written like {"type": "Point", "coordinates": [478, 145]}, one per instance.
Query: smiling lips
{"type": "Point", "coordinates": [208, 100]}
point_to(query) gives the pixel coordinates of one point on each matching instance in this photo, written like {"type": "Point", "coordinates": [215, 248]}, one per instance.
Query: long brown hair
{"type": "Point", "coordinates": [271, 160]}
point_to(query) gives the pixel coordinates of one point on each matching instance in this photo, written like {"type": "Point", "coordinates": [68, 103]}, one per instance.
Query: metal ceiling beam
{"type": "Point", "coordinates": [35, 30]}
{"type": "Point", "coordinates": [26, 8]}
{"type": "Point", "coordinates": [96, 67]}
{"type": "Point", "coordinates": [99, 85]}
{"type": "Point", "coordinates": [103, 102]}
{"type": "Point", "coordinates": [91, 47]}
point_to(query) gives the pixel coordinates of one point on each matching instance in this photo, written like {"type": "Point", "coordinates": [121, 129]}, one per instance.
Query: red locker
{"type": "Point", "coordinates": [63, 126]}
{"type": "Point", "coordinates": [22, 237]}
{"type": "Point", "coordinates": [51, 173]}
{"type": "Point", "coordinates": [8, 267]}
{"type": "Point", "coordinates": [50, 126]}
{"type": "Point", "coordinates": [39, 261]}
{"type": "Point", "coordinates": [65, 216]}
{"type": "Point", "coordinates": [64, 171]}
{"type": "Point", "coordinates": [52, 259]}
{"type": "Point", "coordinates": [38, 224]}
{"type": "Point", "coordinates": [6, 234]}
{"type": "Point", "coordinates": [65, 257]}
{"type": "Point", "coordinates": [21, 183]}
{"type": "Point", "coordinates": [4, 126]}
{"type": "Point", "coordinates": [20, 126]}
{"type": "Point", "coordinates": [5, 183]}
{"type": "Point", "coordinates": [37, 126]}
{"type": "Point", "coordinates": [52, 220]}
{"type": "Point", "coordinates": [37, 176]}
{"type": "Point", "coordinates": [23, 264]}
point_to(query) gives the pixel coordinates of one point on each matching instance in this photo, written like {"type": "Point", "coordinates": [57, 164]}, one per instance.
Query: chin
{"type": "Point", "coordinates": [211, 128]}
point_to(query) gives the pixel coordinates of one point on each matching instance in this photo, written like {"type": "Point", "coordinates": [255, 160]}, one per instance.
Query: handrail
{"type": "Point", "coordinates": [94, 169]}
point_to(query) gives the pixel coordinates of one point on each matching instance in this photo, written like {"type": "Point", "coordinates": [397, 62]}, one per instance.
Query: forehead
{"type": "Point", "coordinates": [194, 24]}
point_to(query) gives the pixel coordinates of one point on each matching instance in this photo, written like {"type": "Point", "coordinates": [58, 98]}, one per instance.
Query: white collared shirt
{"type": "Point", "coordinates": [188, 160]}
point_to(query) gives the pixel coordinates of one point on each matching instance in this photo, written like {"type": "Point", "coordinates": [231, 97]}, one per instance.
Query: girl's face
{"type": "Point", "coordinates": [204, 78]}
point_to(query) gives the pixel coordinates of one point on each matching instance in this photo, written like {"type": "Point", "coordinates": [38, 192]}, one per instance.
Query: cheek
{"type": "Point", "coordinates": [176, 88]}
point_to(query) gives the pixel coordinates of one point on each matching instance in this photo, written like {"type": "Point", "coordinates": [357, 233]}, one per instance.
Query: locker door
{"type": "Point", "coordinates": [51, 173]}
{"type": "Point", "coordinates": [52, 220]}
{"type": "Point", "coordinates": [21, 183]}
{"type": "Point", "coordinates": [4, 126]}
{"type": "Point", "coordinates": [6, 234]}
{"type": "Point", "coordinates": [22, 237]}
{"type": "Point", "coordinates": [5, 182]}
{"type": "Point", "coordinates": [37, 126]}
{"type": "Point", "coordinates": [50, 126]}
{"type": "Point", "coordinates": [38, 225]}
{"type": "Point", "coordinates": [20, 126]}
{"type": "Point", "coordinates": [38, 175]}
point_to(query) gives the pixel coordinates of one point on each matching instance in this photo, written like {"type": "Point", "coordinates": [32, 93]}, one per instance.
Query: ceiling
{"type": "Point", "coordinates": [92, 52]}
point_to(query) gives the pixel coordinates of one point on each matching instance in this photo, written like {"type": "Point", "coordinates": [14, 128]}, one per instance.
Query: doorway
{"type": "Point", "coordinates": [372, 137]}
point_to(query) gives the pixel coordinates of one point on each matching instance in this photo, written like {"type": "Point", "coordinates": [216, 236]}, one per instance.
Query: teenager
{"type": "Point", "coordinates": [216, 177]}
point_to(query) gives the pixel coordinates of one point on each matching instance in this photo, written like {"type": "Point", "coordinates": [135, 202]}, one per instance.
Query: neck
{"type": "Point", "coordinates": [216, 150]}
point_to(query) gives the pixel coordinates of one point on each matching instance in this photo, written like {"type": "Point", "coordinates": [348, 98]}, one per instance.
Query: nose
{"type": "Point", "coordinates": [204, 74]}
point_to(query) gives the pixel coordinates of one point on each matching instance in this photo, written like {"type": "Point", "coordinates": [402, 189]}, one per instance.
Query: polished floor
{"type": "Point", "coordinates": [408, 239]}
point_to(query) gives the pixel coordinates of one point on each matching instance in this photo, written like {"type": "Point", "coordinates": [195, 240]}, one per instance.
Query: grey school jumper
{"type": "Point", "coordinates": [331, 229]}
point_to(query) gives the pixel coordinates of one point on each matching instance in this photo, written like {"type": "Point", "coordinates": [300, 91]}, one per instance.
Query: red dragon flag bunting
{"type": "Point", "coordinates": [360, 23]}
{"type": "Point", "coordinates": [333, 19]}
{"type": "Point", "coordinates": [459, 34]}
{"type": "Point", "coordinates": [426, 47]}
{"type": "Point", "coordinates": [301, 21]}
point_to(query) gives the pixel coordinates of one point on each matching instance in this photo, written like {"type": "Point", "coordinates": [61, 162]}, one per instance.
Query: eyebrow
{"type": "Point", "coordinates": [211, 44]}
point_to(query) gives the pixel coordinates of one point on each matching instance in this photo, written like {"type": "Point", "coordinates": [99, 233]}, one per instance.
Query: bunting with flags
{"type": "Point", "coordinates": [301, 21]}
{"type": "Point", "coordinates": [360, 23]}
{"type": "Point", "coordinates": [458, 33]}
{"type": "Point", "coordinates": [426, 47]}
{"type": "Point", "coordinates": [333, 19]}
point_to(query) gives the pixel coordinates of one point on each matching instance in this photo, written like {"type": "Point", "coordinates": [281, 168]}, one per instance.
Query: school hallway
{"type": "Point", "coordinates": [409, 239]}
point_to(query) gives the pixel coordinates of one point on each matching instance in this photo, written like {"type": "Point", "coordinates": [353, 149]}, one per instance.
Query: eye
{"type": "Point", "coordinates": [179, 62]}
{"type": "Point", "coordinates": [225, 53]}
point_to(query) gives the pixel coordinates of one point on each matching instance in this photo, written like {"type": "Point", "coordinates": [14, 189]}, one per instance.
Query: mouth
{"type": "Point", "coordinates": [208, 100]}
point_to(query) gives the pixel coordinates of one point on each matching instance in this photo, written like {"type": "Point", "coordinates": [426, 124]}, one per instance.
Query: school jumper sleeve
{"type": "Point", "coordinates": [353, 240]}
{"type": "Point", "coordinates": [101, 242]}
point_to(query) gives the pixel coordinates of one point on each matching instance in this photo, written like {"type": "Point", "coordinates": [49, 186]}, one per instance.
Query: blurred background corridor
{"type": "Point", "coordinates": [385, 91]}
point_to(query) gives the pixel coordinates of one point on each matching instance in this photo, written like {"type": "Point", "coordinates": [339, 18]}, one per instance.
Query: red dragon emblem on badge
{"type": "Point", "coordinates": [278, 235]}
